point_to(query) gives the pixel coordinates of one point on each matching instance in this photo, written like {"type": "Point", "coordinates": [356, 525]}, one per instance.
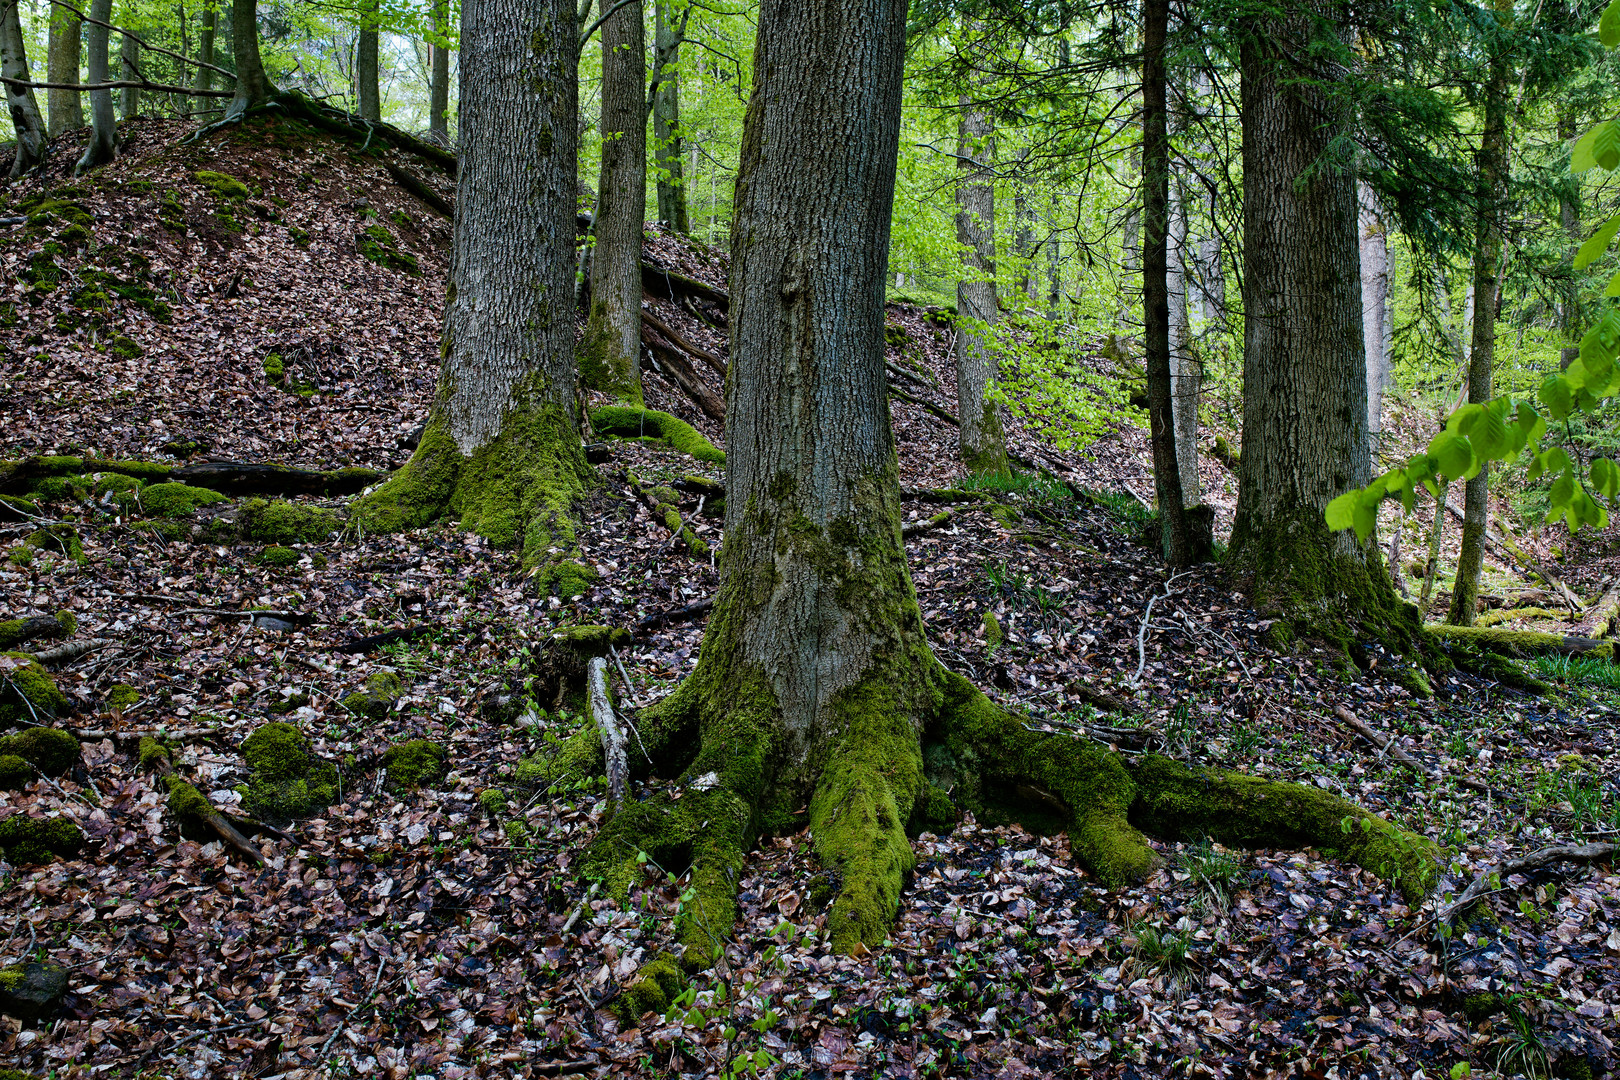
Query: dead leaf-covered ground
{"type": "Point", "coordinates": [437, 933]}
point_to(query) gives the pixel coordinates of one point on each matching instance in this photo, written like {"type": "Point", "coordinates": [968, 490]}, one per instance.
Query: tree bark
{"type": "Point", "coordinates": [252, 85]}
{"type": "Point", "coordinates": [367, 89]}
{"type": "Point", "coordinates": [501, 448]}
{"type": "Point", "coordinates": [667, 38]}
{"type": "Point", "coordinates": [62, 66]}
{"type": "Point", "coordinates": [205, 45]}
{"type": "Point", "coordinates": [610, 358]}
{"type": "Point", "coordinates": [103, 134]}
{"type": "Point", "coordinates": [1304, 371]}
{"type": "Point", "coordinates": [129, 60]}
{"type": "Point", "coordinates": [1375, 303]}
{"type": "Point", "coordinates": [981, 436]}
{"type": "Point", "coordinates": [439, 92]}
{"type": "Point", "coordinates": [1569, 215]}
{"type": "Point", "coordinates": [1186, 378]}
{"type": "Point", "coordinates": [1491, 163]}
{"type": "Point", "coordinates": [25, 117]}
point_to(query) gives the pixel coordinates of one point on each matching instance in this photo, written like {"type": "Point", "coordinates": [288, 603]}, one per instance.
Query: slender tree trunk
{"type": "Point", "coordinates": [501, 449]}
{"type": "Point", "coordinates": [667, 38]}
{"type": "Point", "coordinates": [1054, 266]}
{"type": "Point", "coordinates": [62, 66]}
{"type": "Point", "coordinates": [252, 86]}
{"type": "Point", "coordinates": [1374, 304]}
{"type": "Point", "coordinates": [1186, 376]}
{"type": "Point", "coordinates": [25, 117]}
{"type": "Point", "coordinates": [103, 124]}
{"type": "Point", "coordinates": [205, 45]}
{"type": "Point", "coordinates": [1491, 163]}
{"type": "Point", "coordinates": [439, 93]}
{"type": "Point", "coordinates": [610, 358]}
{"type": "Point", "coordinates": [367, 89]}
{"type": "Point", "coordinates": [981, 435]}
{"type": "Point", "coordinates": [1304, 370]}
{"type": "Point", "coordinates": [129, 60]}
{"type": "Point", "coordinates": [1569, 215]}
{"type": "Point", "coordinates": [1024, 233]}
{"type": "Point", "coordinates": [1130, 258]}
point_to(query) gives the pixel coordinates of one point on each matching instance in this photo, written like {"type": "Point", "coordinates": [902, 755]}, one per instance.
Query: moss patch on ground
{"type": "Point", "coordinates": [27, 691]}
{"type": "Point", "coordinates": [171, 500]}
{"type": "Point", "coordinates": [58, 540]}
{"type": "Point", "coordinates": [30, 840]}
{"type": "Point", "coordinates": [286, 779]}
{"type": "Point", "coordinates": [270, 521]}
{"type": "Point", "coordinates": [414, 764]}
{"type": "Point", "coordinates": [276, 555]}
{"type": "Point", "coordinates": [374, 702]}
{"type": "Point", "coordinates": [226, 187]}
{"type": "Point", "coordinates": [54, 752]}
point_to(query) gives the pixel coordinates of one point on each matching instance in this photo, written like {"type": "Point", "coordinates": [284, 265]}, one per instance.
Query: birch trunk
{"type": "Point", "coordinates": [1375, 304]}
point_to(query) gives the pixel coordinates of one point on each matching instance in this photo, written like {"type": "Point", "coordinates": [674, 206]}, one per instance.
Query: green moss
{"type": "Point", "coordinates": [68, 621]}
{"type": "Point", "coordinates": [126, 348]}
{"type": "Point", "coordinates": [1510, 642]}
{"type": "Point", "coordinates": [57, 539]}
{"type": "Point", "coordinates": [112, 483]}
{"type": "Point", "coordinates": [185, 801]}
{"type": "Point", "coordinates": [1480, 1006]}
{"type": "Point", "coordinates": [277, 522]}
{"type": "Point", "coordinates": [1178, 802]}
{"type": "Point", "coordinates": [152, 754]}
{"type": "Point", "coordinates": [517, 490]}
{"type": "Point", "coordinates": [41, 272]}
{"type": "Point", "coordinates": [28, 693]}
{"type": "Point", "coordinates": [30, 840]}
{"type": "Point", "coordinates": [274, 555]}
{"type": "Point", "coordinates": [993, 636]}
{"type": "Point", "coordinates": [493, 800]}
{"type": "Point", "coordinates": [171, 500]}
{"type": "Point", "coordinates": [226, 187]}
{"type": "Point", "coordinates": [601, 366]}
{"type": "Point", "coordinates": [378, 245]}
{"type": "Point", "coordinates": [286, 779]}
{"type": "Point", "coordinates": [377, 699]}
{"type": "Point", "coordinates": [15, 772]}
{"type": "Point", "coordinates": [11, 977]}
{"type": "Point", "coordinates": [1414, 681]}
{"type": "Point", "coordinates": [658, 982]}
{"type": "Point", "coordinates": [626, 422]}
{"type": "Point", "coordinates": [122, 696]}
{"type": "Point", "coordinates": [274, 369]}
{"type": "Point", "coordinates": [53, 751]}
{"type": "Point", "coordinates": [60, 488]}
{"type": "Point", "coordinates": [17, 508]}
{"type": "Point", "coordinates": [414, 764]}
{"type": "Point", "coordinates": [299, 237]}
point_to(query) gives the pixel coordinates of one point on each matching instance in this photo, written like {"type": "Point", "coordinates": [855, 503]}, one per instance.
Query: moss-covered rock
{"type": "Point", "coordinates": [185, 802]}
{"type": "Point", "coordinates": [993, 636]}
{"type": "Point", "coordinates": [226, 187]}
{"type": "Point", "coordinates": [286, 779]}
{"type": "Point", "coordinates": [170, 500]}
{"type": "Point", "coordinates": [14, 772]}
{"type": "Point", "coordinates": [30, 840]}
{"type": "Point", "coordinates": [28, 693]}
{"type": "Point", "coordinates": [58, 540]}
{"type": "Point", "coordinates": [276, 555]}
{"type": "Point", "coordinates": [270, 521]}
{"type": "Point", "coordinates": [121, 697]}
{"type": "Point", "coordinates": [657, 983]}
{"type": "Point", "coordinates": [374, 702]}
{"type": "Point", "coordinates": [113, 483]}
{"type": "Point", "coordinates": [493, 801]}
{"type": "Point", "coordinates": [628, 422]}
{"type": "Point", "coordinates": [60, 488]}
{"type": "Point", "coordinates": [414, 764]}
{"type": "Point", "coordinates": [54, 752]}
{"type": "Point", "coordinates": [32, 991]}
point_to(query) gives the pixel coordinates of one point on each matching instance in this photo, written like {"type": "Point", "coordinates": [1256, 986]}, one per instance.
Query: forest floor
{"type": "Point", "coordinates": [442, 931]}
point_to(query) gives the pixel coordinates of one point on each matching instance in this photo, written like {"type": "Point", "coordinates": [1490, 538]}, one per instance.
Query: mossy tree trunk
{"type": "Point", "coordinates": [25, 117]}
{"type": "Point", "coordinates": [611, 353]}
{"type": "Point", "coordinates": [981, 435]}
{"type": "Point", "coordinates": [62, 66]}
{"type": "Point", "coordinates": [1304, 369]}
{"type": "Point", "coordinates": [1490, 201]}
{"type": "Point", "coordinates": [816, 700]}
{"type": "Point", "coordinates": [252, 85]}
{"type": "Point", "coordinates": [501, 449]}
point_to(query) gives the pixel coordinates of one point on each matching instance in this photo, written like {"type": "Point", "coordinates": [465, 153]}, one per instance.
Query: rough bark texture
{"type": "Point", "coordinates": [666, 110]}
{"type": "Point", "coordinates": [610, 356]}
{"type": "Point", "coordinates": [103, 135]}
{"type": "Point", "coordinates": [367, 85]}
{"type": "Point", "coordinates": [1491, 161]}
{"type": "Point", "coordinates": [205, 46]}
{"type": "Point", "coordinates": [25, 117]}
{"type": "Point", "coordinates": [1158, 286]}
{"type": "Point", "coordinates": [62, 66]}
{"type": "Point", "coordinates": [252, 86]}
{"type": "Point", "coordinates": [501, 450]}
{"type": "Point", "coordinates": [129, 61]}
{"type": "Point", "coordinates": [1185, 375]}
{"type": "Point", "coordinates": [1376, 330]}
{"type": "Point", "coordinates": [1304, 376]}
{"type": "Point", "coordinates": [439, 91]}
{"type": "Point", "coordinates": [982, 438]}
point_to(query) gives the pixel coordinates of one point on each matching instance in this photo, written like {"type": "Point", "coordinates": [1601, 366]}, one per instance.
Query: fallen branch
{"type": "Point", "coordinates": [63, 654]}
{"type": "Point", "coordinates": [341, 123]}
{"type": "Point", "coordinates": [1386, 744]}
{"type": "Point", "coordinates": [252, 478]}
{"type": "Point", "coordinates": [160, 764]}
{"type": "Point", "coordinates": [670, 362]}
{"type": "Point", "coordinates": [580, 907]}
{"type": "Point", "coordinates": [672, 285]}
{"type": "Point", "coordinates": [912, 528]}
{"type": "Point", "coordinates": [1600, 616]}
{"type": "Point", "coordinates": [418, 187]}
{"type": "Point", "coordinates": [1147, 622]}
{"type": "Point", "coordinates": [13, 634]}
{"type": "Point", "coordinates": [381, 963]}
{"type": "Point", "coordinates": [674, 336]}
{"type": "Point", "coordinates": [678, 615]}
{"type": "Point", "coordinates": [1519, 642]}
{"type": "Point", "coordinates": [928, 406]}
{"type": "Point", "coordinates": [1549, 856]}
{"type": "Point", "coordinates": [138, 84]}
{"type": "Point", "coordinates": [607, 728]}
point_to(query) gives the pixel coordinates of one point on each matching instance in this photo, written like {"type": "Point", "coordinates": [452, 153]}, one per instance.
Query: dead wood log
{"type": "Point", "coordinates": [912, 528]}
{"type": "Point", "coordinates": [17, 631]}
{"type": "Point", "coordinates": [1499, 639]}
{"type": "Point", "coordinates": [608, 729]}
{"type": "Point", "coordinates": [1387, 745]}
{"type": "Point", "coordinates": [669, 361]}
{"type": "Point", "coordinates": [1599, 618]}
{"type": "Point", "coordinates": [1547, 856]}
{"type": "Point", "coordinates": [186, 801]}
{"type": "Point", "coordinates": [418, 187]}
{"type": "Point", "coordinates": [377, 641]}
{"type": "Point", "coordinates": [677, 615]}
{"type": "Point", "coordinates": [939, 411]}
{"type": "Point", "coordinates": [352, 127]}
{"type": "Point", "coordinates": [63, 654]}
{"type": "Point", "coordinates": [672, 285]}
{"type": "Point", "coordinates": [251, 478]}
{"type": "Point", "coordinates": [681, 342]}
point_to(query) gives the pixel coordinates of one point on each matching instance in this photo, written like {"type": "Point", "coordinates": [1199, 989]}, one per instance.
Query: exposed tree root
{"type": "Point", "coordinates": [1548, 856]}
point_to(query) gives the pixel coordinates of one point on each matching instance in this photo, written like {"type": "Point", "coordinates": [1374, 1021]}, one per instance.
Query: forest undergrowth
{"type": "Point", "coordinates": [428, 920]}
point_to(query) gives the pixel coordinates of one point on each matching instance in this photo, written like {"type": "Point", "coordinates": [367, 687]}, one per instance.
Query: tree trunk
{"type": "Point", "coordinates": [1491, 163]}
{"type": "Point", "coordinates": [1186, 377]}
{"type": "Point", "coordinates": [1024, 234]}
{"type": "Point", "coordinates": [205, 45]}
{"type": "Point", "coordinates": [1569, 215]}
{"type": "Point", "coordinates": [25, 118]}
{"type": "Point", "coordinates": [610, 357]}
{"type": "Point", "coordinates": [981, 435]}
{"type": "Point", "coordinates": [62, 66]}
{"type": "Point", "coordinates": [129, 62]}
{"type": "Point", "coordinates": [252, 86]}
{"type": "Point", "coordinates": [501, 449]}
{"type": "Point", "coordinates": [1375, 304]}
{"type": "Point", "coordinates": [1130, 256]}
{"type": "Point", "coordinates": [367, 90]}
{"type": "Point", "coordinates": [439, 93]}
{"type": "Point", "coordinates": [103, 126]}
{"type": "Point", "coordinates": [1304, 372]}
{"type": "Point", "coordinates": [667, 38]}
